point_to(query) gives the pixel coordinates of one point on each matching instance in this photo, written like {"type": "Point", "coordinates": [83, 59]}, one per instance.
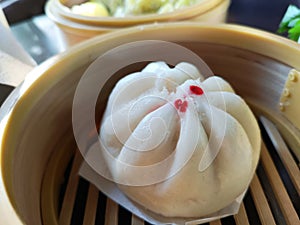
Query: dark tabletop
{"type": "Point", "coordinates": [263, 14]}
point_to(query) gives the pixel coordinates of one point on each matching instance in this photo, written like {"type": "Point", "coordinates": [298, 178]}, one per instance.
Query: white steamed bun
{"type": "Point", "coordinates": [185, 146]}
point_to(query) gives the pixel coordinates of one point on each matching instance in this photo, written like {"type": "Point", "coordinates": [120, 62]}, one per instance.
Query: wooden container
{"type": "Point", "coordinates": [186, 13]}
{"type": "Point", "coordinates": [39, 161]}
{"type": "Point", "coordinates": [76, 28]}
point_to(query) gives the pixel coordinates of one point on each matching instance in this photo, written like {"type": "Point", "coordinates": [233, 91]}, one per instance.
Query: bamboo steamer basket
{"type": "Point", "coordinates": [193, 12]}
{"type": "Point", "coordinates": [39, 160]}
{"type": "Point", "coordinates": [76, 28]}
{"type": "Point", "coordinates": [72, 32]}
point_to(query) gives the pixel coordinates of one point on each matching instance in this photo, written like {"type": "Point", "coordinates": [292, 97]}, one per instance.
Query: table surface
{"type": "Point", "coordinates": [34, 35]}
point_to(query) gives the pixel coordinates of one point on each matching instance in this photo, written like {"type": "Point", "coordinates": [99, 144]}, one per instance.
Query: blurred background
{"type": "Point", "coordinates": [264, 14]}
{"type": "Point", "coordinates": [31, 27]}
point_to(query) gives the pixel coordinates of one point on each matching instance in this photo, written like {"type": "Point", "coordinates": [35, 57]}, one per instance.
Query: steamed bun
{"type": "Point", "coordinates": [185, 146]}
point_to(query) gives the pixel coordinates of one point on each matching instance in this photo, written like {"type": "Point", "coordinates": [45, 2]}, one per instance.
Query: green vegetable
{"type": "Point", "coordinates": [290, 23]}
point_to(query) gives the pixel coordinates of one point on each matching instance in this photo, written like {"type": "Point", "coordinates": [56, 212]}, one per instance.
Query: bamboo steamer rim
{"type": "Point", "coordinates": [39, 79]}
{"type": "Point", "coordinates": [232, 35]}
{"type": "Point", "coordinates": [181, 14]}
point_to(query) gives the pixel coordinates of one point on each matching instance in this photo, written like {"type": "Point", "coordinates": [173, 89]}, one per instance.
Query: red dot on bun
{"type": "Point", "coordinates": [196, 90]}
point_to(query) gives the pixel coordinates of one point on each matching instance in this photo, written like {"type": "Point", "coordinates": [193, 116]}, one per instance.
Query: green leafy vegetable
{"type": "Point", "coordinates": [290, 23]}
